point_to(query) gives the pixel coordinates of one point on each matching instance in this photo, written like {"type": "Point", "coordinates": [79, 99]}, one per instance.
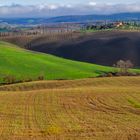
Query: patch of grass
{"type": "Point", "coordinates": [53, 129]}
{"type": "Point", "coordinates": [134, 103]}
{"type": "Point", "coordinates": [23, 64]}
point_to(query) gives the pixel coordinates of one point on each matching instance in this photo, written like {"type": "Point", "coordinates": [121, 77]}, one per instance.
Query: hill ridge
{"type": "Point", "coordinates": [24, 64]}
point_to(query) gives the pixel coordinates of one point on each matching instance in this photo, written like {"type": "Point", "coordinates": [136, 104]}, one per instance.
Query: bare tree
{"type": "Point", "coordinates": [123, 66]}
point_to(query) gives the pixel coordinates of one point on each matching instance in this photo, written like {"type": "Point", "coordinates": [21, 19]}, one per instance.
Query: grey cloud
{"type": "Point", "coordinates": [49, 10]}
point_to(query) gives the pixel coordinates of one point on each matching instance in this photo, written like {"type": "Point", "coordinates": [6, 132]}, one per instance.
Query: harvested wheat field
{"type": "Point", "coordinates": [90, 109]}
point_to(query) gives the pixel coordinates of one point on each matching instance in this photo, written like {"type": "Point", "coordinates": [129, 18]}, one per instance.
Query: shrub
{"type": "Point", "coordinates": [123, 66]}
{"type": "Point", "coordinates": [41, 77]}
{"type": "Point", "coordinates": [9, 79]}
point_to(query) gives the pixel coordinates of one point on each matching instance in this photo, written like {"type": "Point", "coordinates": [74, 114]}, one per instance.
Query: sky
{"type": "Point", "coordinates": [31, 2]}
{"type": "Point", "coordinates": [51, 8]}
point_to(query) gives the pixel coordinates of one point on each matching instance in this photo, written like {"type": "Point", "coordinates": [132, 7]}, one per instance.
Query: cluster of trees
{"type": "Point", "coordinates": [124, 66]}
{"type": "Point", "coordinates": [134, 23]}
{"type": "Point", "coordinates": [100, 27]}
{"type": "Point", "coordinates": [113, 25]}
{"type": "Point", "coordinates": [29, 41]}
{"type": "Point", "coordinates": [39, 30]}
{"type": "Point", "coordinates": [18, 33]}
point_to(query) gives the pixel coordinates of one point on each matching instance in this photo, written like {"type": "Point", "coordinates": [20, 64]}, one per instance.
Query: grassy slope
{"type": "Point", "coordinates": [22, 64]}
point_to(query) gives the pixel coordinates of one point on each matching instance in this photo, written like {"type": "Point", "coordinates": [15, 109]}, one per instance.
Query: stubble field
{"type": "Point", "coordinates": [89, 109]}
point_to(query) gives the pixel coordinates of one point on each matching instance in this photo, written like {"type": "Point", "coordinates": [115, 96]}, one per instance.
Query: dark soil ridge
{"type": "Point", "coordinates": [104, 48]}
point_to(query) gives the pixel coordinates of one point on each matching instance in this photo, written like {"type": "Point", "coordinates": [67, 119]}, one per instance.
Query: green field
{"type": "Point", "coordinates": [23, 64]}
{"type": "Point", "coordinates": [86, 109]}
{"type": "Point", "coordinates": [27, 64]}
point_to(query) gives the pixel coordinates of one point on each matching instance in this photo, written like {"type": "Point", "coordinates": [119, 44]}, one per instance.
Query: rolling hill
{"type": "Point", "coordinates": [103, 48]}
{"type": "Point", "coordinates": [87, 109]}
{"type": "Point", "coordinates": [24, 64]}
{"type": "Point", "coordinates": [72, 18]}
{"type": "Point", "coordinates": [93, 18]}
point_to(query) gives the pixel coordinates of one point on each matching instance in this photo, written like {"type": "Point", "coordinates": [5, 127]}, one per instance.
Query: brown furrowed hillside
{"type": "Point", "coordinates": [89, 109]}
{"type": "Point", "coordinates": [104, 48]}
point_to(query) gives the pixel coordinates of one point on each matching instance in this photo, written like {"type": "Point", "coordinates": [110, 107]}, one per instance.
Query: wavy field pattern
{"type": "Point", "coordinates": [99, 108]}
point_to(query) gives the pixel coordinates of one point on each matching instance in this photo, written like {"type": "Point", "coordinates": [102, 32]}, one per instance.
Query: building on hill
{"type": "Point", "coordinates": [119, 24]}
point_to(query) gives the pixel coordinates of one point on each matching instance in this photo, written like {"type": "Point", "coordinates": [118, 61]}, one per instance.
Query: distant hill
{"type": "Point", "coordinates": [73, 18]}
{"type": "Point", "coordinates": [90, 18]}
{"type": "Point", "coordinates": [23, 64]}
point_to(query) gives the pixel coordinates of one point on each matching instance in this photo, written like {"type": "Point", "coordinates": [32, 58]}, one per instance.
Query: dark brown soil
{"type": "Point", "coordinates": [103, 48]}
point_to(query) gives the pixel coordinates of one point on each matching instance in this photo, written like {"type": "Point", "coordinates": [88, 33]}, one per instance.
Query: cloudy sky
{"type": "Point", "coordinates": [50, 8]}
